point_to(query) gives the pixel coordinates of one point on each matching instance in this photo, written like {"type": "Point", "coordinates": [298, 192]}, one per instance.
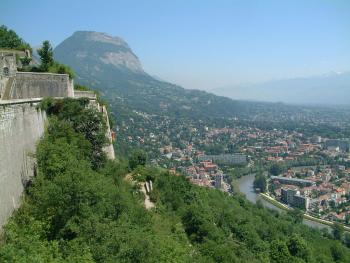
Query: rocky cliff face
{"type": "Point", "coordinates": [96, 51]}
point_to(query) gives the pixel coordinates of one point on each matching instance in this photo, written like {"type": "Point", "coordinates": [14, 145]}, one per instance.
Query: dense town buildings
{"type": "Point", "coordinates": [316, 177]}
{"type": "Point", "coordinates": [309, 147]}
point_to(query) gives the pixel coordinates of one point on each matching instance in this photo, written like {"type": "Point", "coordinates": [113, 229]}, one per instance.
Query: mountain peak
{"type": "Point", "coordinates": [100, 51]}
{"type": "Point", "coordinates": [101, 37]}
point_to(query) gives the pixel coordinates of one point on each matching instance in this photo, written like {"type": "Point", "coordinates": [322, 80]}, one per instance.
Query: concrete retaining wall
{"type": "Point", "coordinates": [21, 126]}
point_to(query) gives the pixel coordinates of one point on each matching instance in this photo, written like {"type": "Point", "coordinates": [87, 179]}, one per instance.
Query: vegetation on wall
{"type": "Point", "coordinates": [100, 100]}
{"type": "Point", "coordinates": [10, 40]}
{"type": "Point", "coordinates": [84, 120]}
{"type": "Point", "coordinates": [48, 64]}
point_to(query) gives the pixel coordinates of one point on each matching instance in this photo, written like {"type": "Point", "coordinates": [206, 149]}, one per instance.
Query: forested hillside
{"type": "Point", "coordinates": [80, 208]}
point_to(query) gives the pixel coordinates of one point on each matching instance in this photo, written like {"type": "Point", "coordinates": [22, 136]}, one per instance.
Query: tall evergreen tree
{"type": "Point", "coordinates": [46, 55]}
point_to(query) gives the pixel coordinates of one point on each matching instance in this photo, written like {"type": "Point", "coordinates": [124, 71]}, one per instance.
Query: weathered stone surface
{"type": "Point", "coordinates": [39, 85]}
{"type": "Point", "coordinates": [21, 126]}
{"type": "Point", "coordinates": [109, 149]}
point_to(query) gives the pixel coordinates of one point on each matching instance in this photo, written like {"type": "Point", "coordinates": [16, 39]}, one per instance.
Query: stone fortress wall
{"type": "Point", "coordinates": [8, 68]}
{"type": "Point", "coordinates": [22, 124]}
{"type": "Point", "coordinates": [38, 85]}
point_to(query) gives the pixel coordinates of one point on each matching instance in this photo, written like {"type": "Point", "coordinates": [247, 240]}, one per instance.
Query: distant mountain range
{"type": "Point", "coordinates": [328, 89]}
{"type": "Point", "coordinates": [108, 64]}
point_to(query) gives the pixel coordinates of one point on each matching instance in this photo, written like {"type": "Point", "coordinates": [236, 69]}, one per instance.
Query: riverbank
{"type": "Point", "coordinates": [275, 202]}
{"type": "Point", "coordinates": [306, 216]}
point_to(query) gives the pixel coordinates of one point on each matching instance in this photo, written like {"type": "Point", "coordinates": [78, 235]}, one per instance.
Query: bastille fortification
{"type": "Point", "coordinates": [22, 123]}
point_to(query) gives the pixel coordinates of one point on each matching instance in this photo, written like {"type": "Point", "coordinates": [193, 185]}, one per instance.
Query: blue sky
{"type": "Point", "coordinates": [203, 44]}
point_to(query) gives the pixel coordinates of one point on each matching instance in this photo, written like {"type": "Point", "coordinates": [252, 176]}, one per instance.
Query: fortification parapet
{"type": "Point", "coordinates": [85, 94]}
{"type": "Point", "coordinates": [38, 85]}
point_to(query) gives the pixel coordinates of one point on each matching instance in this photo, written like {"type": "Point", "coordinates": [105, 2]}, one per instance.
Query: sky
{"type": "Point", "coordinates": [203, 44]}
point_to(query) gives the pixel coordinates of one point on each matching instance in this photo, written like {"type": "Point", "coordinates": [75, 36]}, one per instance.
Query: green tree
{"type": "Point", "coordinates": [25, 61]}
{"type": "Point", "coordinates": [338, 231]}
{"type": "Point", "coordinates": [337, 252]}
{"type": "Point", "coordinates": [46, 56]}
{"type": "Point", "coordinates": [61, 69]}
{"type": "Point", "coordinates": [137, 157]}
{"type": "Point", "coordinates": [347, 217]}
{"type": "Point", "coordinates": [347, 239]}
{"type": "Point", "coordinates": [84, 120]}
{"type": "Point", "coordinates": [297, 215]}
{"type": "Point", "coordinates": [197, 224]}
{"type": "Point", "coordinates": [276, 169]}
{"type": "Point", "coordinates": [260, 182]}
{"type": "Point", "coordinates": [298, 247]}
{"type": "Point", "coordinates": [279, 252]}
{"type": "Point", "coordinates": [10, 40]}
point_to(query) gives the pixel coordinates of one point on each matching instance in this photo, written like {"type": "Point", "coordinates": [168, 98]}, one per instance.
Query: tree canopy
{"type": "Point", "coordinates": [260, 182]}
{"type": "Point", "coordinates": [276, 169]}
{"type": "Point", "coordinates": [46, 55]}
{"type": "Point", "coordinates": [136, 158]}
{"type": "Point", "coordinates": [10, 40]}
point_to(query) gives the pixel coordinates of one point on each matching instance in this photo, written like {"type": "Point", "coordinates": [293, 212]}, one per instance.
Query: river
{"type": "Point", "coordinates": [245, 185]}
